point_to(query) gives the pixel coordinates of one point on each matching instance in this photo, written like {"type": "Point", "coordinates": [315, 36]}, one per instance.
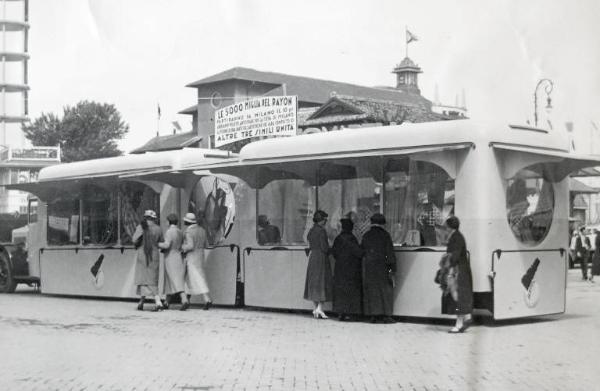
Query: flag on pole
{"type": "Point", "coordinates": [158, 108]}
{"type": "Point", "coordinates": [410, 37]}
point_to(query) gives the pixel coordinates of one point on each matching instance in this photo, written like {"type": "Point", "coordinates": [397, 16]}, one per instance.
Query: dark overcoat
{"type": "Point", "coordinates": [378, 262]}
{"type": "Point", "coordinates": [596, 257]}
{"type": "Point", "coordinates": [457, 248]}
{"type": "Point", "coordinates": [318, 285]}
{"type": "Point", "coordinates": [347, 276]}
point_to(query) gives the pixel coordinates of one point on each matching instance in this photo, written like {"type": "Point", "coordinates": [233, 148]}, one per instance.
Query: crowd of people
{"type": "Point", "coordinates": [361, 284]}
{"type": "Point", "coordinates": [183, 273]}
{"type": "Point", "coordinates": [363, 279]}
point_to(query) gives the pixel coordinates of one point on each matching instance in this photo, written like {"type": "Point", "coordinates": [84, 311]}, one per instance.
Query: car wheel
{"type": "Point", "coordinates": [7, 282]}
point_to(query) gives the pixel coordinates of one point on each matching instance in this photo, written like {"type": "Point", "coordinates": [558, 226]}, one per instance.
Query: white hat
{"type": "Point", "coordinates": [150, 213]}
{"type": "Point", "coordinates": [190, 218]}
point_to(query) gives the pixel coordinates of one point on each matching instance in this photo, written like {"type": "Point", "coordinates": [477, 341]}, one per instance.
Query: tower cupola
{"type": "Point", "coordinates": [407, 76]}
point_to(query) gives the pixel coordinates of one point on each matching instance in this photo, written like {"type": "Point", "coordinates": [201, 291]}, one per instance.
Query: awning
{"type": "Point", "coordinates": [305, 166]}
{"type": "Point", "coordinates": [555, 164]}
{"type": "Point", "coordinates": [178, 178]}
{"type": "Point", "coordinates": [45, 191]}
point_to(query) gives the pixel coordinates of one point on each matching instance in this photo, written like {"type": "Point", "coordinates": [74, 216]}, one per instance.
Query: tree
{"type": "Point", "coordinates": [88, 130]}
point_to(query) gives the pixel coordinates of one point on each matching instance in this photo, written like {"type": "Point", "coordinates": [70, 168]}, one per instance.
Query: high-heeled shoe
{"type": "Point", "coordinates": [207, 305]}
{"type": "Point", "coordinates": [319, 314]}
{"type": "Point", "coordinates": [158, 308]}
{"type": "Point", "coordinates": [140, 306]}
{"type": "Point", "coordinates": [185, 306]}
{"type": "Point", "coordinates": [165, 304]}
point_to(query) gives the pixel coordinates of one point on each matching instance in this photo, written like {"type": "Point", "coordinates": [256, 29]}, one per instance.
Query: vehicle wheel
{"type": "Point", "coordinates": [7, 282]}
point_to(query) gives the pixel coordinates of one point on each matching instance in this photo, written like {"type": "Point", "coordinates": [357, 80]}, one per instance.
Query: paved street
{"type": "Point", "coordinates": [56, 343]}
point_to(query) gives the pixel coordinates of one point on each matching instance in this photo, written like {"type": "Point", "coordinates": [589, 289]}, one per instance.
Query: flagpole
{"type": "Point", "coordinates": [406, 39]}
{"type": "Point", "coordinates": [157, 119]}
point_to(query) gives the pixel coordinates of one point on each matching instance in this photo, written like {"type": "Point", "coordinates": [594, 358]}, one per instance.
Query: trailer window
{"type": "Point", "coordinates": [419, 197]}
{"type": "Point", "coordinates": [284, 204]}
{"type": "Point", "coordinates": [63, 221]}
{"type": "Point", "coordinates": [350, 188]}
{"type": "Point", "coordinates": [529, 206]}
{"type": "Point", "coordinates": [135, 198]}
{"type": "Point", "coordinates": [99, 215]}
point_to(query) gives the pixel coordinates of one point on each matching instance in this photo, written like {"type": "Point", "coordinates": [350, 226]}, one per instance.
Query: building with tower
{"type": "Point", "coordinates": [323, 105]}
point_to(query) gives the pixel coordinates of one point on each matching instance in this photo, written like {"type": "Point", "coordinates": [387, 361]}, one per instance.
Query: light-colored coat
{"type": "Point", "coordinates": [195, 240]}
{"type": "Point", "coordinates": [147, 267]}
{"type": "Point", "coordinates": [174, 266]}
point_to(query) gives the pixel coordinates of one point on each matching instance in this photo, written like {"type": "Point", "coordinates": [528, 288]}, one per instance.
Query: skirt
{"type": "Point", "coordinates": [195, 278]}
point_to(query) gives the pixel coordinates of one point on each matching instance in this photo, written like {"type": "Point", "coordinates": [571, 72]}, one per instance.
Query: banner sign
{"type": "Point", "coordinates": [270, 116]}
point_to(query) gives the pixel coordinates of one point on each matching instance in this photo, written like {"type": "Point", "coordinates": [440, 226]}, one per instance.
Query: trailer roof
{"type": "Point", "coordinates": [386, 139]}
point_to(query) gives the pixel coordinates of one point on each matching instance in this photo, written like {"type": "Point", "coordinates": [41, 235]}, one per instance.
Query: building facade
{"type": "Point", "coordinates": [19, 162]}
{"type": "Point", "coordinates": [323, 105]}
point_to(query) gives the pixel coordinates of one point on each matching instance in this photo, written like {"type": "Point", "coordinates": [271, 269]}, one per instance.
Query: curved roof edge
{"type": "Point", "coordinates": [401, 136]}
{"type": "Point", "coordinates": [130, 164]}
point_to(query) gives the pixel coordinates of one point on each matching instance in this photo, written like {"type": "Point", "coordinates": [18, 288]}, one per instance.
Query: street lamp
{"type": "Point", "coordinates": [548, 88]}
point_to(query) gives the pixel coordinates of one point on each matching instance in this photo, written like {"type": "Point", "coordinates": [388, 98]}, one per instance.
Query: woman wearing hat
{"type": "Point", "coordinates": [174, 266]}
{"type": "Point", "coordinates": [145, 238]}
{"type": "Point", "coordinates": [463, 305]}
{"type": "Point", "coordinates": [318, 286]}
{"type": "Point", "coordinates": [194, 242]}
{"type": "Point", "coordinates": [379, 267]}
{"type": "Point", "coordinates": [347, 279]}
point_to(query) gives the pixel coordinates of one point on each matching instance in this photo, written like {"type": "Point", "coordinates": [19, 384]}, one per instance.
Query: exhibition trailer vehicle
{"type": "Point", "coordinates": [507, 184]}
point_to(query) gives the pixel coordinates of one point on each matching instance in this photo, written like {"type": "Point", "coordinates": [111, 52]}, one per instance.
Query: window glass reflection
{"type": "Point", "coordinates": [419, 197]}
{"type": "Point", "coordinates": [529, 206]}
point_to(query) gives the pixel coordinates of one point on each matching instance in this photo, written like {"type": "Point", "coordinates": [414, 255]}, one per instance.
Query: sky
{"type": "Point", "coordinates": [137, 54]}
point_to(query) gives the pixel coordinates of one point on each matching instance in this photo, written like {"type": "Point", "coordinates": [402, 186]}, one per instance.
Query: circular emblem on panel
{"type": "Point", "coordinates": [532, 295]}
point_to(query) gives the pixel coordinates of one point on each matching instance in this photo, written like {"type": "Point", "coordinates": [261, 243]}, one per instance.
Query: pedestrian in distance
{"type": "Point", "coordinates": [347, 276]}
{"type": "Point", "coordinates": [462, 306]}
{"type": "Point", "coordinates": [174, 266]}
{"type": "Point", "coordinates": [582, 246]}
{"type": "Point", "coordinates": [379, 268]}
{"type": "Point", "coordinates": [596, 256]}
{"type": "Point", "coordinates": [146, 237]}
{"type": "Point", "coordinates": [318, 286]}
{"type": "Point", "coordinates": [194, 242]}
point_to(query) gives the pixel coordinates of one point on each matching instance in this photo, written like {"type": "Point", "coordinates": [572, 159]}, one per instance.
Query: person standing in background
{"type": "Point", "coordinates": [379, 268]}
{"type": "Point", "coordinates": [318, 286]}
{"type": "Point", "coordinates": [596, 256]}
{"type": "Point", "coordinates": [347, 277]}
{"type": "Point", "coordinates": [458, 259]}
{"type": "Point", "coordinates": [194, 242]}
{"type": "Point", "coordinates": [174, 267]}
{"type": "Point", "coordinates": [582, 246]}
{"type": "Point", "coordinates": [145, 238]}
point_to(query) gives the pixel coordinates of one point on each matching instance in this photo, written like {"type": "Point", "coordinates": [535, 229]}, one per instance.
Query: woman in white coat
{"type": "Point", "coordinates": [174, 266]}
{"type": "Point", "coordinates": [194, 242]}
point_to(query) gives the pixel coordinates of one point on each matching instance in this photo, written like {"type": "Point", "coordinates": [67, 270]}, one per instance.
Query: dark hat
{"type": "Point", "coordinates": [347, 224]}
{"type": "Point", "coordinates": [378, 218]}
{"type": "Point", "coordinates": [319, 216]}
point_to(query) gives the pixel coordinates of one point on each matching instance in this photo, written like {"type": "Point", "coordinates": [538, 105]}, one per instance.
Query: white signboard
{"type": "Point", "coordinates": [270, 116]}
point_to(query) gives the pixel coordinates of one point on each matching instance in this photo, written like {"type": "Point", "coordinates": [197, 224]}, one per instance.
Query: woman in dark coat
{"type": "Point", "coordinates": [378, 271]}
{"type": "Point", "coordinates": [463, 306]}
{"type": "Point", "coordinates": [347, 277]}
{"type": "Point", "coordinates": [596, 256]}
{"type": "Point", "coordinates": [318, 286]}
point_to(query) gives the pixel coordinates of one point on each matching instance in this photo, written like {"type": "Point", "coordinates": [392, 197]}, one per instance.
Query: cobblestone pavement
{"type": "Point", "coordinates": [57, 343]}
